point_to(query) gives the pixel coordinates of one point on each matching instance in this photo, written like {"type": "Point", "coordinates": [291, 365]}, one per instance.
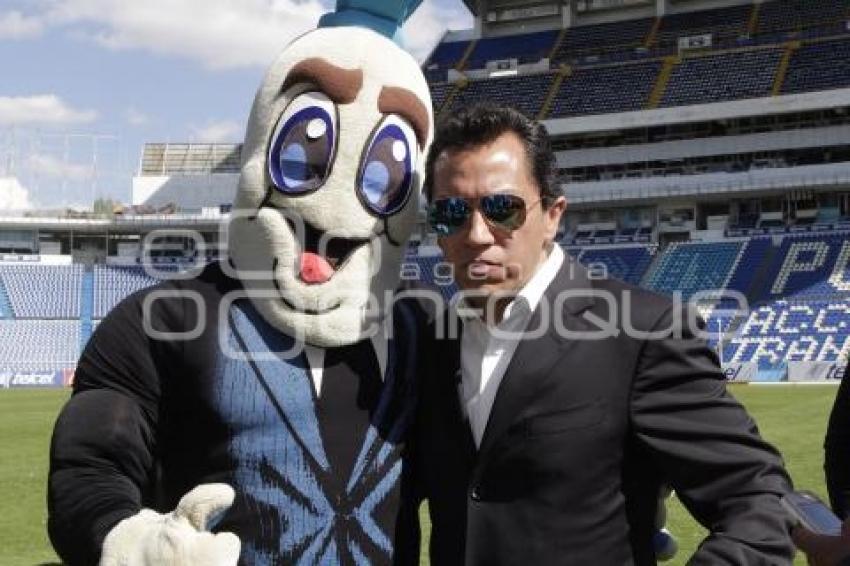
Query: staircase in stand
{"type": "Point", "coordinates": [86, 305]}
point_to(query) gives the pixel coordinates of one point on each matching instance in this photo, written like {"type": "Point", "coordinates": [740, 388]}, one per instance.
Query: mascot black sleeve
{"type": "Point", "coordinates": [102, 452]}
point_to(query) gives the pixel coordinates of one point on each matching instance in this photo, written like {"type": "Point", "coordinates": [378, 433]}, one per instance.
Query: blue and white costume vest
{"type": "Point", "coordinates": [282, 475]}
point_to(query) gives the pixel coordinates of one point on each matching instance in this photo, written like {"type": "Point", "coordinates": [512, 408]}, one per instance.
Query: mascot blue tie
{"type": "Point", "coordinates": [351, 389]}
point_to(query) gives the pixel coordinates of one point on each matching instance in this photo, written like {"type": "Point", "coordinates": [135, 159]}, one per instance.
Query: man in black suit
{"type": "Point", "coordinates": [547, 426]}
{"type": "Point", "coordinates": [822, 549]}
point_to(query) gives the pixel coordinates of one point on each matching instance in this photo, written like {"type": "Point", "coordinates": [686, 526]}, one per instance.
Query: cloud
{"type": "Point", "coordinates": [226, 131]}
{"type": "Point", "coordinates": [136, 117]}
{"type": "Point", "coordinates": [227, 34]}
{"type": "Point", "coordinates": [427, 25]}
{"type": "Point", "coordinates": [51, 167]}
{"type": "Point", "coordinates": [221, 34]}
{"type": "Point", "coordinates": [13, 195]}
{"type": "Point", "coordinates": [43, 110]}
{"type": "Point", "coordinates": [15, 25]}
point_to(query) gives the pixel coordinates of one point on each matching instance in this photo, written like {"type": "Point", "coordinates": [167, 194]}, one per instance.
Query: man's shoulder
{"type": "Point", "coordinates": [641, 307]}
{"type": "Point", "coordinates": [649, 299]}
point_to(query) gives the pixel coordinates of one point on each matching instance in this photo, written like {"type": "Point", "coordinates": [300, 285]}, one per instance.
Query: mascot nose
{"type": "Point", "coordinates": [314, 268]}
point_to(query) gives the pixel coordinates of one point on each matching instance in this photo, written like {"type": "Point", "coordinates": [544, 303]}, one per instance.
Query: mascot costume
{"type": "Point", "coordinates": [200, 431]}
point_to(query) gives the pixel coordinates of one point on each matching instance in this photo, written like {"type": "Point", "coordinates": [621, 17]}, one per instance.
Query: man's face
{"type": "Point", "coordinates": [485, 257]}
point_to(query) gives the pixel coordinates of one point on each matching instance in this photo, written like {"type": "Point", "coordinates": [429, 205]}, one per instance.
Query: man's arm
{"type": "Point", "coordinates": [723, 472]}
{"type": "Point", "coordinates": [102, 452]}
{"type": "Point", "coordinates": [837, 451]}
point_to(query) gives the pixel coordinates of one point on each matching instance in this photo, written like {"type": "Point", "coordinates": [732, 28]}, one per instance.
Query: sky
{"type": "Point", "coordinates": [85, 83]}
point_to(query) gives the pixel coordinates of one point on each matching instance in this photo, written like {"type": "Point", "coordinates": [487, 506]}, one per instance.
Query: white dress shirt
{"type": "Point", "coordinates": [486, 351]}
{"type": "Point", "coordinates": [316, 358]}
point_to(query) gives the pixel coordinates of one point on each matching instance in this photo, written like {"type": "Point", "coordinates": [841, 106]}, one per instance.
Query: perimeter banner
{"type": "Point", "coordinates": [815, 371]}
{"type": "Point", "coordinates": [52, 378]}
{"type": "Point", "coordinates": [743, 372]}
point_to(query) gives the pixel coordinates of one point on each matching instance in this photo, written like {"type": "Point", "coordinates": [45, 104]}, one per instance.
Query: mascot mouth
{"type": "Point", "coordinates": [321, 255]}
{"type": "Point", "coordinates": [290, 305]}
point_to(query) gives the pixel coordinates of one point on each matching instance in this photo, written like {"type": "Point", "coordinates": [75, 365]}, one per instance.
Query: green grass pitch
{"type": "Point", "coordinates": [791, 417]}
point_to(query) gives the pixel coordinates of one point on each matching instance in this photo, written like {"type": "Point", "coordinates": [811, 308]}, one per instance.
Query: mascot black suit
{"type": "Point", "coordinates": [256, 412]}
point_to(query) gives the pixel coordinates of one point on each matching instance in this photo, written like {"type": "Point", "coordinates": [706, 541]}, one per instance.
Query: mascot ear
{"type": "Point", "coordinates": [383, 16]}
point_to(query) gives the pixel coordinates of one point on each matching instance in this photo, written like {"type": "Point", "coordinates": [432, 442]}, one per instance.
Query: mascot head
{"type": "Point", "coordinates": [331, 174]}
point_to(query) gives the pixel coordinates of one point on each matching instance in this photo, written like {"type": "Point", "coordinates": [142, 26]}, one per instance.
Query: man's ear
{"type": "Point", "coordinates": [552, 217]}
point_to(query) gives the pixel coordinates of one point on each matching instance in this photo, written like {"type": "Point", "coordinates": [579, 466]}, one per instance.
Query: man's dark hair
{"type": "Point", "coordinates": [481, 123]}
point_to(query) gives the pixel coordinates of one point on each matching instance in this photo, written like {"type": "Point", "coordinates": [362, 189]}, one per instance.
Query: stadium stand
{"type": "Point", "coordinates": [584, 40]}
{"type": "Point", "coordinates": [43, 291]}
{"type": "Point", "coordinates": [796, 285]}
{"type": "Point", "coordinates": [602, 89]}
{"type": "Point", "coordinates": [113, 283]}
{"type": "Point", "coordinates": [719, 328]}
{"type": "Point", "coordinates": [694, 267]}
{"type": "Point", "coordinates": [792, 269]}
{"type": "Point", "coordinates": [793, 15]}
{"type": "Point", "coordinates": [786, 331]}
{"type": "Point", "coordinates": [430, 271]}
{"type": "Point", "coordinates": [439, 93]}
{"type": "Point", "coordinates": [526, 48]}
{"type": "Point", "coordinates": [725, 24]}
{"type": "Point", "coordinates": [819, 66]}
{"type": "Point", "coordinates": [748, 70]}
{"type": "Point", "coordinates": [447, 54]}
{"type": "Point", "coordinates": [723, 76]}
{"type": "Point", "coordinates": [795, 281]}
{"type": "Point", "coordinates": [37, 345]}
{"type": "Point", "coordinates": [808, 266]}
{"type": "Point", "coordinates": [754, 254]}
{"type": "Point", "coordinates": [525, 92]}
{"type": "Point", "coordinates": [627, 263]}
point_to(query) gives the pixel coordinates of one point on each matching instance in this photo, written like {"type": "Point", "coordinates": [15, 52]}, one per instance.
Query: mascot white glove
{"type": "Point", "coordinates": [179, 538]}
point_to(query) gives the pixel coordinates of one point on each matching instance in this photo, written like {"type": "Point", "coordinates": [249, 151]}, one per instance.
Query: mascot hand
{"type": "Point", "coordinates": [179, 538]}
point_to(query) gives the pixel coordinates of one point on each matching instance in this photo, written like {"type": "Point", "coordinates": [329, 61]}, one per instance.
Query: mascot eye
{"type": "Point", "coordinates": [303, 144]}
{"type": "Point", "coordinates": [386, 174]}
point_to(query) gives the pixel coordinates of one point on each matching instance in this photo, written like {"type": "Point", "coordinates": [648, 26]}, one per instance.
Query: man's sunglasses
{"type": "Point", "coordinates": [503, 211]}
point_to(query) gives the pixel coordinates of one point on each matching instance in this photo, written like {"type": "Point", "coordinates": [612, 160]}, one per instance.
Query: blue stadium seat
{"type": "Point", "coordinates": [694, 267]}
{"type": "Point", "coordinates": [526, 48]}
{"type": "Point", "coordinates": [430, 272]}
{"type": "Point", "coordinates": [43, 291]}
{"type": "Point", "coordinates": [719, 77]}
{"type": "Point", "coordinates": [113, 283]}
{"type": "Point", "coordinates": [526, 92]}
{"type": "Point", "coordinates": [725, 25]}
{"type": "Point", "coordinates": [38, 345]}
{"type": "Point", "coordinates": [790, 15]}
{"type": "Point", "coordinates": [793, 331]}
{"type": "Point", "coordinates": [582, 40]}
{"type": "Point", "coordinates": [628, 263]}
{"type": "Point", "coordinates": [754, 253]}
{"type": "Point", "coordinates": [809, 266]}
{"type": "Point", "coordinates": [447, 54]}
{"type": "Point", "coordinates": [439, 93]}
{"type": "Point", "coordinates": [611, 88]}
{"type": "Point", "coordinates": [819, 66]}
{"type": "Point", "coordinates": [718, 322]}
{"type": "Point", "coordinates": [435, 74]}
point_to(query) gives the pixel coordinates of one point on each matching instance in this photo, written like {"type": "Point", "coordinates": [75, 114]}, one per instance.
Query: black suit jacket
{"type": "Point", "coordinates": [581, 434]}
{"type": "Point", "coordinates": [837, 446]}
